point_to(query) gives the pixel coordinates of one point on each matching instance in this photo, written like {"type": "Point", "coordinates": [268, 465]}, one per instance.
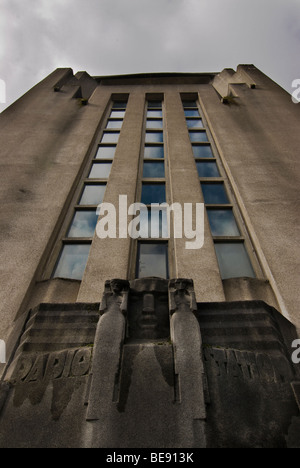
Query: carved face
{"type": "Point", "coordinates": [148, 316]}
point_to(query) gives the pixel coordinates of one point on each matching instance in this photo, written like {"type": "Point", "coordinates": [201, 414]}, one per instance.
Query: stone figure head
{"type": "Point", "coordinates": [148, 310]}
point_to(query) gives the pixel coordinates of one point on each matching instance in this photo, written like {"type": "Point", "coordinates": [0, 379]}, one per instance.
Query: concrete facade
{"type": "Point", "coordinates": [50, 137]}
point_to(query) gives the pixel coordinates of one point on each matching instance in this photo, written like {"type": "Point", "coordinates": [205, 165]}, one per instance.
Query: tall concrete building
{"type": "Point", "coordinates": [173, 328]}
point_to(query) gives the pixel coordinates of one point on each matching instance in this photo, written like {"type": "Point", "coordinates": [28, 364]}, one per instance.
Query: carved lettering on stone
{"type": "Point", "coordinates": [247, 365]}
{"type": "Point", "coordinates": [52, 366]}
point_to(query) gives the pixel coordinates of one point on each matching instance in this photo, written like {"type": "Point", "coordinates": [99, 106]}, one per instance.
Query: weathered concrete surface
{"type": "Point", "coordinates": [201, 264]}
{"type": "Point", "coordinates": [226, 379]}
{"type": "Point", "coordinates": [46, 137]}
{"type": "Point", "coordinates": [247, 354]}
{"type": "Point", "coordinates": [110, 257]}
{"type": "Point", "coordinates": [60, 392]}
{"type": "Point", "coordinates": [258, 138]}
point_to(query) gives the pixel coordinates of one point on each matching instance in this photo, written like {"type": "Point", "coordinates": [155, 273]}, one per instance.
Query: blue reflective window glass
{"type": "Point", "coordinates": [198, 136]}
{"type": "Point", "coordinates": [194, 123]}
{"type": "Point", "coordinates": [191, 113]}
{"type": "Point", "coordinates": [83, 224]}
{"type": "Point", "coordinates": [155, 151]}
{"type": "Point", "coordinates": [117, 114]}
{"type": "Point", "coordinates": [154, 113]}
{"type": "Point", "coordinates": [222, 223]}
{"type": "Point", "coordinates": [157, 104]}
{"type": "Point", "coordinates": [153, 169]}
{"type": "Point", "coordinates": [100, 170]}
{"type": "Point", "coordinates": [114, 123]}
{"type": "Point", "coordinates": [72, 261]}
{"type": "Point", "coordinates": [202, 151]}
{"type": "Point", "coordinates": [119, 104]}
{"type": "Point", "coordinates": [106, 152]}
{"type": "Point", "coordinates": [152, 260]}
{"type": "Point", "coordinates": [110, 137]}
{"type": "Point", "coordinates": [233, 260]}
{"type": "Point", "coordinates": [214, 193]}
{"type": "Point", "coordinates": [207, 169]}
{"type": "Point", "coordinates": [154, 137]}
{"type": "Point", "coordinates": [92, 194]}
{"type": "Point", "coordinates": [156, 123]}
{"type": "Point", "coordinates": [153, 193]}
{"type": "Point", "coordinates": [186, 103]}
{"type": "Point", "coordinates": [154, 223]}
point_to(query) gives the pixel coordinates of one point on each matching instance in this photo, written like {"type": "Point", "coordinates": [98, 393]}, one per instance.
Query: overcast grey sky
{"type": "Point", "coordinates": [106, 37]}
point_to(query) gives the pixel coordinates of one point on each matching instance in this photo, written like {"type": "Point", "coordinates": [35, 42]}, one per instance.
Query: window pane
{"type": "Point", "coordinates": [207, 169]}
{"type": "Point", "coordinates": [110, 137]}
{"type": "Point", "coordinates": [154, 137]}
{"type": "Point", "coordinates": [154, 113]}
{"type": "Point", "coordinates": [233, 260]}
{"type": "Point", "coordinates": [106, 152]}
{"type": "Point", "coordinates": [155, 104]}
{"type": "Point", "coordinates": [114, 123]}
{"type": "Point", "coordinates": [83, 224]}
{"type": "Point", "coordinates": [158, 123]}
{"type": "Point", "coordinates": [117, 114]}
{"type": "Point", "coordinates": [153, 193]}
{"type": "Point", "coordinates": [100, 171]}
{"type": "Point", "coordinates": [152, 260]}
{"type": "Point", "coordinates": [191, 113]}
{"type": "Point", "coordinates": [154, 224]}
{"type": "Point", "coordinates": [154, 152]}
{"type": "Point", "coordinates": [222, 223]}
{"type": "Point", "coordinates": [119, 104]}
{"type": "Point", "coordinates": [194, 123]}
{"type": "Point", "coordinates": [189, 103]}
{"type": "Point", "coordinates": [154, 169]}
{"type": "Point", "coordinates": [72, 261]}
{"type": "Point", "coordinates": [202, 151]}
{"type": "Point", "coordinates": [214, 193]}
{"type": "Point", "coordinates": [198, 136]}
{"type": "Point", "coordinates": [93, 194]}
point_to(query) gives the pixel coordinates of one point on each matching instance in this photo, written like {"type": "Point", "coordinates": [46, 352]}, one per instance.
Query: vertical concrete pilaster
{"type": "Point", "coordinates": [112, 255]}
{"type": "Point", "coordinates": [201, 264]}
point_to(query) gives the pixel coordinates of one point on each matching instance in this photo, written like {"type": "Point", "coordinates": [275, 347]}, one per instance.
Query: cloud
{"type": "Point", "coordinates": [132, 36]}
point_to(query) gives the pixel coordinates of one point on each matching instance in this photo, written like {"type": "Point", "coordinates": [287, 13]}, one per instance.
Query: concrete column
{"type": "Point", "coordinates": [112, 255]}
{"type": "Point", "coordinates": [201, 264]}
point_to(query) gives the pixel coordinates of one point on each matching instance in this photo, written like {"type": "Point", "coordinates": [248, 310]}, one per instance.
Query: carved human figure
{"type": "Point", "coordinates": [181, 295]}
{"type": "Point", "coordinates": [148, 313]}
{"type": "Point", "coordinates": [109, 339]}
{"type": "Point", "coordinates": [115, 296]}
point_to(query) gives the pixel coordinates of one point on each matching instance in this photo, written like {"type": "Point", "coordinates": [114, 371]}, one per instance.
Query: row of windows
{"type": "Point", "coordinates": [152, 256]}
{"type": "Point", "coordinates": [229, 243]}
{"type": "Point", "coordinates": [76, 244]}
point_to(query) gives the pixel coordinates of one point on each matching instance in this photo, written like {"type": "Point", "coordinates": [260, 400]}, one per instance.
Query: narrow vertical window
{"type": "Point", "coordinates": [74, 252]}
{"type": "Point", "coordinates": [228, 236]}
{"type": "Point", "coordinates": [152, 257]}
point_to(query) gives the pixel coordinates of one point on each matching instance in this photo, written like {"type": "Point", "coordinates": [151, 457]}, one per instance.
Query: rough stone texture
{"type": "Point", "coordinates": [47, 138]}
{"type": "Point", "coordinates": [201, 265]}
{"type": "Point", "coordinates": [45, 406]}
{"type": "Point", "coordinates": [247, 352]}
{"type": "Point", "coordinates": [134, 392]}
{"type": "Point", "coordinates": [258, 140]}
{"type": "Point", "coordinates": [239, 359]}
{"type": "Point", "coordinates": [141, 393]}
{"type": "Point", "coordinates": [83, 377]}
